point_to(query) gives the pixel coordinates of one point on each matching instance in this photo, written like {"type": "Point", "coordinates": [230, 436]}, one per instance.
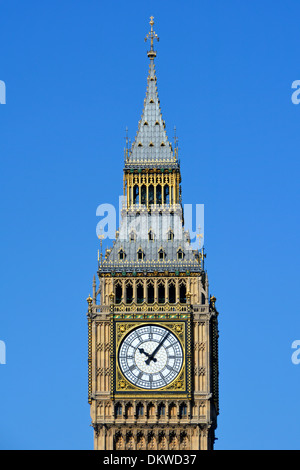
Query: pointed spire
{"type": "Point", "coordinates": [151, 145]}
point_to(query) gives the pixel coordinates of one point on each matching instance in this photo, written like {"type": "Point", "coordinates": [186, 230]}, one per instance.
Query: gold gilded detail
{"type": "Point", "coordinates": [180, 384]}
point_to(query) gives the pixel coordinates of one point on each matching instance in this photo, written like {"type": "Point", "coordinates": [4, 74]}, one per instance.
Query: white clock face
{"type": "Point", "coordinates": [150, 357]}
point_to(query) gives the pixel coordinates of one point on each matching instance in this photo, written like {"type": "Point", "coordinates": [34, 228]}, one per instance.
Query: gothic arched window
{"type": "Point", "coordinates": [150, 235]}
{"type": "Point", "coordinates": [158, 194]}
{"type": "Point", "coordinates": [151, 194]}
{"type": "Point", "coordinates": [140, 409]}
{"type": "Point", "coordinates": [118, 409]}
{"type": "Point", "coordinates": [135, 194]}
{"type": "Point", "coordinates": [129, 294]}
{"type": "Point", "coordinates": [140, 293]}
{"type": "Point", "coordinates": [150, 293]}
{"type": "Point", "coordinates": [166, 194]}
{"type": "Point", "coordinates": [119, 293]}
{"type": "Point", "coordinates": [132, 236]}
{"type": "Point", "coordinates": [161, 294]}
{"type": "Point", "coordinates": [161, 410]}
{"type": "Point", "coordinates": [170, 235]}
{"type": "Point", "coordinates": [182, 294]}
{"type": "Point", "coordinates": [161, 254]}
{"type": "Point", "coordinates": [172, 293]}
{"type": "Point", "coordinates": [183, 410]}
{"type": "Point", "coordinates": [143, 194]}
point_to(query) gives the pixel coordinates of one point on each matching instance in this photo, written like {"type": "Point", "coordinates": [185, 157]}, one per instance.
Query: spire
{"type": "Point", "coordinates": [151, 145]}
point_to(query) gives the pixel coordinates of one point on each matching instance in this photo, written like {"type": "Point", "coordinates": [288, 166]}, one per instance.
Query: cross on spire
{"type": "Point", "coordinates": [151, 36]}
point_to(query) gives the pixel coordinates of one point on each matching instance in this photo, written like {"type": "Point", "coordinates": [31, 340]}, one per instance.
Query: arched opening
{"type": "Point", "coordinates": [202, 298]}
{"type": "Point", "coordinates": [140, 255]}
{"type": "Point", "coordinates": [172, 410]}
{"type": "Point", "coordinates": [172, 293]}
{"type": "Point", "coordinates": [170, 235]}
{"type": "Point", "coordinates": [140, 293]}
{"type": "Point", "coordinates": [118, 410]}
{"type": "Point", "coordinates": [129, 410]}
{"type": "Point", "coordinates": [150, 294]}
{"type": "Point", "coordinates": [162, 410]}
{"type": "Point", "coordinates": [151, 194]}
{"type": "Point", "coordinates": [118, 293]}
{"type": "Point", "coordinates": [158, 194]}
{"type": "Point", "coordinates": [166, 194]}
{"type": "Point", "coordinates": [140, 410]}
{"type": "Point", "coordinates": [151, 411]}
{"type": "Point", "coordinates": [129, 294]}
{"type": "Point", "coordinates": [183, 410]}
{"type": "Point", "coordinates": [143, 194]}
{"type": "Point", "coordinates": [161, 294]}
{"type": "Point", "coordinates": [136, 194]}
{"type": "Point", "coordinates": [150, 236]}
{"type": "Point", "coordinates": [182, 294]}
{"type": "Point", "coordinates": [132, 236]}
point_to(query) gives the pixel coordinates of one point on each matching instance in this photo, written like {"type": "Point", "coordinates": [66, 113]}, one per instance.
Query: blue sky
{"type": "Point", "coordinates": [75, 75]}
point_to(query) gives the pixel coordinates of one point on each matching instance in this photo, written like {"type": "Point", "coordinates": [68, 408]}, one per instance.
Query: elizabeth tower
{"type": "Point", "coordinates": [152, 324]}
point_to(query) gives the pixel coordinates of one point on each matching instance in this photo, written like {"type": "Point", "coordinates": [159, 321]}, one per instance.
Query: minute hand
{"type": "Point", "coordinates": [151, 357]}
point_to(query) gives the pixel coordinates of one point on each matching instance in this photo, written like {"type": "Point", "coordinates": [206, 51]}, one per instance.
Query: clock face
{"type": "Point", "coordinates": [150, 357]}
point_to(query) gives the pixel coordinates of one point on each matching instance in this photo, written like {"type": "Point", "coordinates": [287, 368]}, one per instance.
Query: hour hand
{"type": "Point", "coordinates": [142, 351]}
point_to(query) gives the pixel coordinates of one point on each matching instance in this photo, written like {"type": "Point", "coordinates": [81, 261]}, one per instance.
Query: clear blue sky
{"type": "Point", "coordinates": [75, 75]}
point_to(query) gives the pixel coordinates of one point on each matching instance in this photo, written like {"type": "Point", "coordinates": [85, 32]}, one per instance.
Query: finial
{"type": "Point", "coordinates": [175, 144]}
{"type": "Point", "coordinates": [101, 237]}
{"type": "Point", "coordinates": [126, 144]}
{"type": "Point", "coordinates": [151, 35]}
{"type": "Point", "coordinates": [212, 301]}
{"type": "Point", "coordinates": [89, 301]}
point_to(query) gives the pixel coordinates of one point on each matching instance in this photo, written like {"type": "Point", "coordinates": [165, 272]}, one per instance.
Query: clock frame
{"type": "Point", "coordinates": [180, 386]}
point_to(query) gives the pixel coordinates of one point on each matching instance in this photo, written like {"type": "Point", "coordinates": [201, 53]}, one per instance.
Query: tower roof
{"type": "Point", "coordinates": [151, 237]}
{"type": "Point", "coordinates": [151, 145]}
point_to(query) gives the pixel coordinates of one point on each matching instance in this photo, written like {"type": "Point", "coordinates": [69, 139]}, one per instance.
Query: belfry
{"type": "Point", "coordinates": [152, 324]}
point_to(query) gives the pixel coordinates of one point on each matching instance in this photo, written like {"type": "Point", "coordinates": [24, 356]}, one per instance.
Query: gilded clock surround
{"type": "Point", "coordinates": [156, 280]}
{"type": "Point", "coordinates": [180, 386]}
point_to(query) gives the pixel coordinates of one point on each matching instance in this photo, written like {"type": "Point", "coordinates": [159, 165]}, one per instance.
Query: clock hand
{"type": "Point", "coordinates": [142, 351]}
{"type": "Point", "coordinates": [151, 356]}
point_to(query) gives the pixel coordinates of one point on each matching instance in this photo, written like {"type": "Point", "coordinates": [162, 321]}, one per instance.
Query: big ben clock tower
{"type": "Point", "coordinates": [152, 324]}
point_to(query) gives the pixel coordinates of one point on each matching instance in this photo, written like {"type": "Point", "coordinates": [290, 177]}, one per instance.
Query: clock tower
{"type": "Point", "coordinates": [152, 324]}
